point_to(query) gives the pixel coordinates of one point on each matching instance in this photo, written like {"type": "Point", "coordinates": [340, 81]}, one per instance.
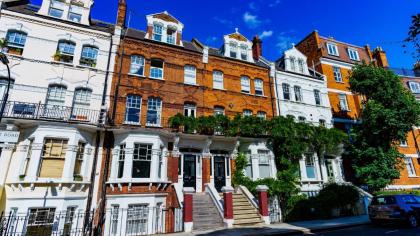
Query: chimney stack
{"type": "Point", "coordinates": [122, 13]}
{"type": "Point", "coordinates": [256, 48]}
{"type": "Point", "coordinates": [380, 56]}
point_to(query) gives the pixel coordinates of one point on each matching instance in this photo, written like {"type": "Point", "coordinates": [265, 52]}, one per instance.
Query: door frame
{"type": "Point", "coordinates": [198, 166]}
{"type": "Point", "coordinates": [225, 160]}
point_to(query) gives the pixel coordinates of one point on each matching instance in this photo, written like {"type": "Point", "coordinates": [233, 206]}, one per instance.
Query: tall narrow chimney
{"type": "Point", "coordinates": [380, 56]}
{"type": "Point", "coordinates": [122, 13]}
{"type": "Point", "coordinates": [256, 48]}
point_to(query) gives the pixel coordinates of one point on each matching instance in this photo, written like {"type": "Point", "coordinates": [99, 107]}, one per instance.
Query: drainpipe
{"type": "Point", "coordinates": [114, 108]}
{"type": "Point", "coordinates": [271, 89]}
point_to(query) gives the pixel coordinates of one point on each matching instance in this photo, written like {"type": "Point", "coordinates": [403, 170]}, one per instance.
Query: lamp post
{"type": "Point", "coordinates": [5, 61]}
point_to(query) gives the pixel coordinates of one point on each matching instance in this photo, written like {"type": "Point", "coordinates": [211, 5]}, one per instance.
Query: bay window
{"type": "Point", "coordinates": [156, 69]}
{"type": "Point", "coordinates": [142, 159]}
{"type": "Point", "coordinates": [154, 109]}
{"type": "Point", "coordinates": [133, 109]}
{"type": "Point", "coordinates": [80, 153]}
{"type": "Point", "coordinates": [121, 160]}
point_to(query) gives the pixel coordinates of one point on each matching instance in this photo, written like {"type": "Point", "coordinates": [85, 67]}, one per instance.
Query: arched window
{"type": "Point", "coordinates": [154, 110]}
{"type": "Point", "coordinates": [219, 110]}
{"type": "Point", "coordinates": [259, 87]}
{"type": "Point", "coordinates": [15, 41]}
{"type": "Point", "coordinates": [189, 74]}
{"type": "Point", "coordinates": [133, 109]}
{"type": "Point", "coordinates": [247, 112]}
{"type": "Point", "coordinates": [65, 51]}
{"type": "Point", "coordinates": [218, 79]}
{"type": "Point", "coordinates": [56, 95]}
{"type": "Point", "coordinates": [262, 114]}
{"type": "Point", "coordinates": [137, 65]}
{"type": "Point", "coordinates": [157, 32]}
{"type": "Point", "coordinates": [89, 56]}
{"type": "Point", "coordinates": [245, 85]}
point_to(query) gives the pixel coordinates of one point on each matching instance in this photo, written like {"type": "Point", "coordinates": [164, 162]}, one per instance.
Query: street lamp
{"type": "Point", "coordinates": [5, 61]}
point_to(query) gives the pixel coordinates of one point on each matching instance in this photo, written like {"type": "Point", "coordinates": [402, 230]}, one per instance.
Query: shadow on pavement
{"type": "Point", "coordinates": [249, 231]}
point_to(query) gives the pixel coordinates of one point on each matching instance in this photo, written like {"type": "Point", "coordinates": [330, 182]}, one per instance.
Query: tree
{"type": "Point", "coordinates": [389, 112]}
{"type": "Point", "coordinates": [413, 34]}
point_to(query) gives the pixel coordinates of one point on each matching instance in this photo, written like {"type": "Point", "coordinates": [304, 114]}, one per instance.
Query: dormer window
{"type": "Point", "coordinates": [56, 9]}
{"type": "Point", "coordinates": [75, 13]}
{"type": "Point", "coordinates": [233, 50]}
{"type": "Point", "coordinates": [300, 65]}
{"type": "Point", "coordinates": [353, 54]}
{"type": "Point", "coordinates": [332, 49]}
{"type": "Point", "coordinates": [157, 32]}
{"type": "Point", "coordinates": [244, 52]}
{"type": "Point", "coordinates": [171, 35]}
{"type": "Point", "coordinates": [292, 64]}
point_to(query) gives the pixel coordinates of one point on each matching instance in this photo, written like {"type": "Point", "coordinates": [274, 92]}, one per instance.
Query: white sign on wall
{"type": "Point", "coordinates": [7, 136]}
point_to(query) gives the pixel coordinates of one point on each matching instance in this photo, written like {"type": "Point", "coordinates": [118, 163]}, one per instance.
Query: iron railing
{"type": "Point", "coordinates": [38, 111]}
{"type": "Point", "coordinates": [274, 210]}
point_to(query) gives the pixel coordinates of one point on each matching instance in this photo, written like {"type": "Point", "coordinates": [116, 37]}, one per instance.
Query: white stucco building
{"type": "Point", "coordinates": [61, 62]}
{"type": "Point", "coordinates": [302, 93]}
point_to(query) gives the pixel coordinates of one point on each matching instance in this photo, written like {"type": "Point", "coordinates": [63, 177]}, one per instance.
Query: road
{"type": "Point", "coordinates": [370, 230]}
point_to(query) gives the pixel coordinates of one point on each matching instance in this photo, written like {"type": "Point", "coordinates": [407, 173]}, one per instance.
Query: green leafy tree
{"type": "Point", "coordinates": [389, 112]}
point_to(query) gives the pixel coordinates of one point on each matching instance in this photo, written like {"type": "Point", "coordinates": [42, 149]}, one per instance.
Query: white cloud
{"type": "Point", "coordinates": [266, 34]}
{"type": "Point", "coordinates": [274, 3]}
{"type": "Point", "coordinates": [251, 21]}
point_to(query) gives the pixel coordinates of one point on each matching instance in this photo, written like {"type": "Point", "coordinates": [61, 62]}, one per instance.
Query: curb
{"type": "Point", "coordinates": [317, 230]}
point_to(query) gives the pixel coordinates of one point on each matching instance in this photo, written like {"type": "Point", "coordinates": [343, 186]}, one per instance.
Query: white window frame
{"type": "Point", "coordinates": [344, 105]}
{"type": "Point", "coordinates": [219, 110]}
{"type": "Point", "coordinates": [233, 48]}
{"type": "Point", "coordinates": [218, 81]}
{"type": "Point", "coordinates": [75, 13]}
{"type": "Point", "coordinates": [262, 114]}
{"type": "Point", "coordinates": [147, 158]}
{"type": "Point", "coordinates": [171, 38]}
{"type": "Point", "coordinates": [157, 32]}
{"type": "Point", "coordinates": [154, 104]}
{"type": "Point", "coordinates": [286, 90]}
{"type": "Point", "coordinates": [301, 66]}
{"type": "Point", "coordinates": [259, 87]}
{"type": "Point", "coordinates": [403, 143]}
{"type": "Point", "coordinates": [57, 6]}
{"type": "Point", "coordinates": [121, 161]}
{"type": "Point", "coordinates": [414, 86]}
{"type": "Point", "coordinates": [317, 96]}
{"type": "Point", "coordinates": [298, 93]}
{"type": "Point", "coordinates": [136, 64]}
{"type": "Point", "coordinates": [190, 74]}
{"type": "Point", "coordinates": [264, 161]}
{"type": "Point", "coordinates": [338, 77]}
{"type": "Point", "coordinates": [135, 102]}
{"type": "Point", "coordinates": [154, 70]}
{"type": "Point", "coordinates": [247, 112]}
{"type": "Point", "coordinates": [190, 110]}
{"type": "Point", "coordinates": [245, 85]}
{"type": "Point", "coordinates": [244, 52]}
{"type": "Point", "coordinates": [310, 162]}
{"type": "Point", "coordinates": [353, 54]}
{"type": "Point", "coordinates": [16, 38]}
{"type": "Point", "coordinates": [292, 63]}
{"type": "Point", "coordinates": [410, 167]}
{"type": "Point", "coordinates": [332, 49]}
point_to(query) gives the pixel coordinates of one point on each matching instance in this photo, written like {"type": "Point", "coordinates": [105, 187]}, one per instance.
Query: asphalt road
{"type": "Point", "coordinates": [370, 230]}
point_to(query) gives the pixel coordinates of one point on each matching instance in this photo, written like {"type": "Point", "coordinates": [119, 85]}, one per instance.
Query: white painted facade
{"type": "Point", "coordinates": [302, 102]}
{"type": "Point", "coordinates": [41, 113]}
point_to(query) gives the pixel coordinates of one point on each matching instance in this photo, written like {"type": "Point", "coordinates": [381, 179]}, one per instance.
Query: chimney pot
{"type": "Point", "coordinates": [256, 48]}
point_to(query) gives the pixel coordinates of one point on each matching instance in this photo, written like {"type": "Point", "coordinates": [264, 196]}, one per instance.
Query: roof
{"type": "Point", "coordinates": [24, 7]}
{"type": "Point", "coordinates": [238, 37]}
{"type": "Point", "coordinates": [166, 17]}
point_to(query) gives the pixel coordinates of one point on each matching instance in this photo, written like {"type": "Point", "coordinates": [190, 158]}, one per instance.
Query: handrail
{"type": "Point", "coordinates": [218, 201]}
{"type": "Point", "coordinates": [249, 196]}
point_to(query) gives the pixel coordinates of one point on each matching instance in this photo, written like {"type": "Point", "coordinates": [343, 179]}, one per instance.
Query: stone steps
{"type": "Point", "coordinates": [244, 213]}
{"type": "Point", "coordinates": [205, 213]}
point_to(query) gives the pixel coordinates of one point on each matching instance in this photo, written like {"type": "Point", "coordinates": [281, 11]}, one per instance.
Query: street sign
{"type": "Point", "coordinates": [7, 136]}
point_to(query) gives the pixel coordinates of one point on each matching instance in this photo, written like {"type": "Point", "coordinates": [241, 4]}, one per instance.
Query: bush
{"type": "Point", "coordinates": [395, 192]}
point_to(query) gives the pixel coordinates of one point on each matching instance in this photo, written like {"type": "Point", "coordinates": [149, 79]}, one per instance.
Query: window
{"type": "Point", "coordinates": [264, 163]}
{"type": "Point", "coordinates": [156, 69]}
{"type": "Point", "coordinates": [353, 54]}
{"type": "Point", "coordinates": [137, 65]}
{"type": "Point", "coordinates": [245, 86]}
{"type": "Point", "coordinates": [218, 110]}
{"type": "Point", "coordinates": [244, 52]}
{"type": "Point", "coordinates": [79, 159]}
{"type": "Point", "coordinates": [137, 218]}
{"type": "Point", "coordinates": [75, 13]}
{"type": "Point", "coordinates": [189, 110]}
{"type": "Point", "coordinates": [262, 115]}
{"type": "Point", "coordinates": [332, 49]}
{"type": "Point", "coordinates": [218, 80]}
{"type": "Point", "coordinates": [414, 87]}
{"type": "Point", "coordinates": [286, 91]}
{"type": "Point", "coordinates": [40, 218]}
{"type": "Point", "coordinates": [317, 95]}
{"type": "Point", "coordinates": [410, 167]}
{"type": "Point", "coordinates": [343, 102]}
{"type": "Point", "coordinates": [56, 9]}
{"type": "Point", "coordinates": [154, 109]}
{"type": "Point", "coordinates": [403, 143]}
{"type": "Point", "coordinates": [65, 51]}
{"type": "Point", "coordinates": [298, 94]}
{"type": "Point", "coordinates": [68, 220]}
{"type": "Point", "coordinates": [233, 50]}
{"type": "Point", "coordinates": [142, 158]}
{"type": "Point", "coordinates": [25, 167]}
{"type": "Point", "coordinates": [56, 95]}
{"type": "Point", "coordinates": [292, 63]}
{"type": "Point", "coordinates": [3, 87]}
{"type": "Point", "coordinates": [259, 87]}
{"type": "Point", "coordinates": [121, 160]}
{"type": "Point", "coordinates": [189, 74]}
{"type": "Point", "coordinates": [157, 32]}
{"type": "Point", "coordinates": [89, 56]}
{"type": "Point", "coordinates": [53, 156]}
{"type": "Point", "coordinates": [133, 109]}
{"type": "Point", "coordinates": [247, 112]}
{"type": "Point", "coordinates": [248, 168]}
{"type": "Point", "coordinates": [322, 122]}
{"type": "Point", "coordinates": [310, 166]}
{"type": "Point", "coordinates": [170, 36]}
{"type": "Point", "coordinates": [114, 219]}
{"type": "Point", "coordinates": [15, 42]}
{"type": "Point", "coordinates": [81, 103]}
{"type": "Point", "coordinates": [337, 74]}
{"type": "Point", "coordinates": [300, 65]}
{"type": "Point", "coordinates": [301, 119]}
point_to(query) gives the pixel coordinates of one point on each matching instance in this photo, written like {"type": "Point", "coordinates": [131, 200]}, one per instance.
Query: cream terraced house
{"type": "Point", "coordinates": [61, 62]}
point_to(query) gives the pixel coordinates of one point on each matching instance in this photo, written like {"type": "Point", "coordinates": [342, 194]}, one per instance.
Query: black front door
{"type": "Point", "coordinates": [189, 170]}
{"type": "Point", "coordinates": [219, 173]}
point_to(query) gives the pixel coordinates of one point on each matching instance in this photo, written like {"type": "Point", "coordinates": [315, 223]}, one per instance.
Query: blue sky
{"type": "Point", "coordinates": [282, 22]}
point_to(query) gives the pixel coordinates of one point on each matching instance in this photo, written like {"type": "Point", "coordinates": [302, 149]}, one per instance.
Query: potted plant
{"type": "Point", "coordinates": [57, 56]}
{"type": "Point", "coordinates": [78, 178]}
{"type": "Point", "coordinates": [175, 122]}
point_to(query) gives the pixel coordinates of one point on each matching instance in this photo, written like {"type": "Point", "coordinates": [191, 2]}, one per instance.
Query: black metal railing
{"type": "Point", "coordinates": [38, 111]}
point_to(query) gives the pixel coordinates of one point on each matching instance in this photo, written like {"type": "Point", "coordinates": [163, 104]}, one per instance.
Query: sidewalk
{"type": "Point", "coordinates": [285, 229]}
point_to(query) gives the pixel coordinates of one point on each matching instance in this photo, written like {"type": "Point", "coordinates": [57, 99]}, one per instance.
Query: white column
{"type": "Point", "coordinates": [302, 166]}
{"type": "Point", "coordinates": [199, 178]}
{"type": "Point", "coordinates": [5, 158]}
{"type": "Point", "coordinates": [128, 163]}
{"type": "Point", "coordinates": [114, 164]}
{"type": "Point", "coordinates": [21, 153]}
{"type": "Point", "coordinates": [154, 165]}
{"type": "Point", "coordinates": [35, 162]}
{"type": "Point", "coordinates": [255, 164]}
{"type": "Point", "coordinates": [70, 159]}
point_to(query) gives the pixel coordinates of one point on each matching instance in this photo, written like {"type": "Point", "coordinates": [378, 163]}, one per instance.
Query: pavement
{"type": "Point", "coordinates": [293, 228]}
{"type": "Point", "coordinates": [371, 230]}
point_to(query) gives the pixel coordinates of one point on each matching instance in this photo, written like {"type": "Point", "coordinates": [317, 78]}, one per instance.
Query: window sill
{"type": "Point", "coordinates": [339, 82]}
{"type": "Point", "coordinates": [131, 123]}
{"type": "Point", "coordinates": [153, 125]}
{"type": "Point", "coordinates": [156, 78]}
{"type": "Point", "coordinates": [87, 67]}
{"type": "Point", "coordinates": [62, 63]}
{"type": "Point", "coordinates": [334, 55]}
{"type": "Point", "coordinates": [191, 84]}
{"type": "Point", "coordinates": [221, 89]}
{"type": "Point", "coordinates": [136, 75]}
{"type": "Point", "coordinates": [413, 176]}
{"type": "Point", "coordinates": [263, 96]}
